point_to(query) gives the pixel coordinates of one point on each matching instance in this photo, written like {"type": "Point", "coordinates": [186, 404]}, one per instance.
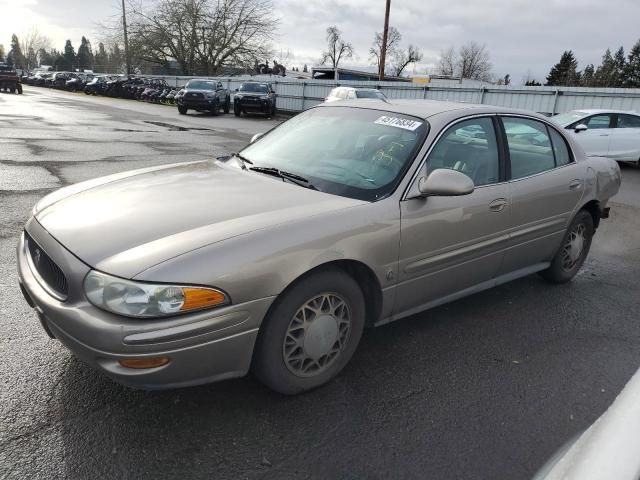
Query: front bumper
{"type": "Point", "coordinates": [202, 347]}
{"type": "Point", "coordinates": [255, 105]}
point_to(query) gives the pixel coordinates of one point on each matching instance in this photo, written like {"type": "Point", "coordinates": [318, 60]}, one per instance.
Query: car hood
{"type": "Point", "coordinates": [126, 223]}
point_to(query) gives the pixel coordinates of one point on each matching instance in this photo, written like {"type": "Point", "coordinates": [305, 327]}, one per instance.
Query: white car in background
{"type": "Point", "coordinates": [351, 93]}
{"type": "Point", "coordinates": [605, 133]}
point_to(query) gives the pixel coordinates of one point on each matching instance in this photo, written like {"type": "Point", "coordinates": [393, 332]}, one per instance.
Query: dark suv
{"type": "Point", "coordinates": [255, 97]}
{"type": "Point", "coordinates": [204, 95]}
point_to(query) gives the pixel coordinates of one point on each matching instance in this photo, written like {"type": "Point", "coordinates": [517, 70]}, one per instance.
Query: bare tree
{"type": "Point", "coordinates": [337, 48]}
{"type": "Point", "coordinates": [32, 42]}
{"type": "Point", "coordinates": [473, 62]}
{"type": "Point", "coordinates": [402, 58]}
{"type": "Point", "coordinates": [393, 41]}
{"type": "Point", "coordinates": [448, 62]}
{"type": "Point", "coordinates": [202, 35]}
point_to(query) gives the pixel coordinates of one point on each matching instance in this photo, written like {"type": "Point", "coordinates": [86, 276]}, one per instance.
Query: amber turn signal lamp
{"type": "Point", "coordinates": [197, 298]}
{"type": "Point", "coordinates": [144, 362]}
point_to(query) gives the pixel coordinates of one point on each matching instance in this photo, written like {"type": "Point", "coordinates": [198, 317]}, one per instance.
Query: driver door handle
{"type": "Point", "coordinates": [498, 205]}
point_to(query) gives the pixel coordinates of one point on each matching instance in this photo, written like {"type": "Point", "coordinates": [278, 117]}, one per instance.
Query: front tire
{"type": "Point", "coordinates": [182, 110]}
{"type": "Point", "coordinates": [227, 105]}
{"type": "Point", "coordinates": [310, 333]}
{"type": "Point", "coordinates": [573, 251]}
{"type": "Point", "coordinates": [236, 109]}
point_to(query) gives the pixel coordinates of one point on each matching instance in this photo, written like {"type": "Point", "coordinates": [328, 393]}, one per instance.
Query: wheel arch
{"type": "Point", "coordinates": [363, 276]}
{"type": "Point", "coordinates": [595, 210]}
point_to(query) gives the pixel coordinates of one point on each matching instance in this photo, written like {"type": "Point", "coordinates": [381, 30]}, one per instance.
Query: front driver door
{"type": "Point", "coordinates": [451, 244]}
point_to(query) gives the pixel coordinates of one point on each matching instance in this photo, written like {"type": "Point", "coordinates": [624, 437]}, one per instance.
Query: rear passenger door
{"type": "Point", "coordinates": [596, 139]}
{"type": "Point", "coordinates": [546, 185]}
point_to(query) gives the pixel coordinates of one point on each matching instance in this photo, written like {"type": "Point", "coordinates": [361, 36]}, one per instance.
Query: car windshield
{"type": "Point", "coordinates": [352, 152]}
{"type": "Point", "coordinates": [369, 94]}
{"type": "Point", "coordinates": [568, 118]}
{"type": "Point", "coordinates": [255, 87]}
{"type": "Point", "coordinates": [201, 85]}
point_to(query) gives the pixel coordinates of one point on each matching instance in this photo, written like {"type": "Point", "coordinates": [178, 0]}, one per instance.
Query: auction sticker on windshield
{"type": "Point", "coordinates": [404, 123]}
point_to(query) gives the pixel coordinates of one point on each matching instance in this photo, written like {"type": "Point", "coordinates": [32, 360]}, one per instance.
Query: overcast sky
{"type": "Point", "coordinates": [521, 35]}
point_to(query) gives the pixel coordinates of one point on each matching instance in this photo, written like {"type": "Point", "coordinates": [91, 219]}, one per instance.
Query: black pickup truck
{"type": "Point", "coordinates": [204, 95]}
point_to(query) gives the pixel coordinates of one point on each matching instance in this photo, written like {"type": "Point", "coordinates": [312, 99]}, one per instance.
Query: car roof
{"type": "Point", "coordinates": [425, 108]}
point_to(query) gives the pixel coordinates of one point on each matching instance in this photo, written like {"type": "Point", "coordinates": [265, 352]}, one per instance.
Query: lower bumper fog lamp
{"type": "Point", "coordinates": [144, 362]}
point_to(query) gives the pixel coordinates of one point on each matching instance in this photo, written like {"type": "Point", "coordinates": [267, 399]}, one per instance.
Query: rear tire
{"type": "Point", "coordinates": [573, 250]}
{"type": "Point", "coordinates": [215, 110]}
{"type": "Point", "coordinates": [227, 105]}
{"type": "Point", "coordinates": [182, 110]}
{"type": "Point", "coordinates": [310, 333]}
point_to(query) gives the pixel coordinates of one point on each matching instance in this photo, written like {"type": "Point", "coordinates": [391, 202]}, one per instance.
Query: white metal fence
{"type": "Point", "coordinates": [296, 95]}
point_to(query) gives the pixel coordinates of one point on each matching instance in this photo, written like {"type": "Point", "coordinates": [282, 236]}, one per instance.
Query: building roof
{"type": "Point", "coordinates": [328, 73]}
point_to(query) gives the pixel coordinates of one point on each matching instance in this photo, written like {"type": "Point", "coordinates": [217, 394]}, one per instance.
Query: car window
{"type": "Point", "coordinates": [529, 145]}
{"type": "Point", "coordinates": [560, 148]}
{"type": "Point", "coordinates": [255, 87]}
{"type": "Point", "coordinates": [598, 121]}
{"type": "Point", "coordinates": [352, 152]}
{"type": "Point", "coordinates": [628, 121]}
{"type": "Point", "coordinates": [469, 147]}
{"type": "Point", "coordinates": [369, 94]}
{"type": "Point", "coordinates": [201, 85]}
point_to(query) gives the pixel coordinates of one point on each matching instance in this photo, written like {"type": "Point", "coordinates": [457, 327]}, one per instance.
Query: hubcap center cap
{"type": "Point", "coordinates": [320, 336]}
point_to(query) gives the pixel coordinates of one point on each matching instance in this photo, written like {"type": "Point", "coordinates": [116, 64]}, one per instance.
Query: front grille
{"type": "Point", "coordinates": [194, 95]}
{"type": "Point", "coordinates": [49, 273]}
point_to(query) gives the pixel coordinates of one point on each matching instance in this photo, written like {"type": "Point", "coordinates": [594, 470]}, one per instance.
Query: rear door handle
{"type": "Point", "coordinates": [575, 185]}
{"type": "Point", "coordinates": [498, 205]}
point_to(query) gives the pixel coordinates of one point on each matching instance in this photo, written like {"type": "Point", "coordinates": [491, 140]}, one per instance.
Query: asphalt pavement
{"type": "Point", "coordinates": [487, 387]}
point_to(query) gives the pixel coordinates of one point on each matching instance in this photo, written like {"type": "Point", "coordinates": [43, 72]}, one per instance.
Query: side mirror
{"type": "Point", "coordinates": [445, 183]}
{"type": "Point", "coordinates": [256, 137]}
{"type": "Point", "coordinates": [580, 128]}
{"type": "Point", "coordinates": [236, 90]}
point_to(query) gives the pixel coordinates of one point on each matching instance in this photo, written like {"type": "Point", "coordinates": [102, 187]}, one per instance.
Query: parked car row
{"type": "Point", "coordinates": [71, 81]}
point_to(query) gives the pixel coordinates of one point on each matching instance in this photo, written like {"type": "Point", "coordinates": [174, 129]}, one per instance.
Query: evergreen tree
{"type": "Point", "coordinates": [116, 59]}
{"type": "Point", "coordinates": [588, 76]}
{"type": "Point", "coordinates": [532, 83]}
{"type": "Point", "coordinates": [305, 69]}
{"type": "Point", "coordinates": [605, 72]}
{"type": "Point", "coordinates": [85, 55]}
{"type": "Point", "coordinates": [564, 73]}
{"type": "Point", "coordinates": [632, 71]}
{"type": "Point", "coordinates": [44, 57]}
{"type": "Point", "coordinates": [101, 59]}
{"type": "Point", "coordinates": [69, 56]}
{"type": "Point", "coordinates": [619, 68]}
{"type": "Point", "coordinates": [1, 53]}
{"type": "Point", "coordinates": [15, 57]}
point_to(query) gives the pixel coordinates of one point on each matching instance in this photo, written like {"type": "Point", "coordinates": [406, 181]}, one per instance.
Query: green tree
{"type": "Point", "coordinates": [588, 76]}
{"type": "Point", "coordinates": [604, 76]}
{"type": "Point", "coordinates": [69, 56]}
{"type": "Point", "coordinates": [1, 53]}
{"type": "Point", "coordinates": [632, 72]}
{"type": "Point", "coordinates": [45, 58]}
{"type": "Point", "coordinates": [101, 59]}
{"type": "Point", "coordinates": [85, 55]}
{"type": "Point", "coordinates": [15, 57]}
{"type": "Point", "coordinates": [619, 68]}
{"type": "Point", "coordinates": [565, 72]}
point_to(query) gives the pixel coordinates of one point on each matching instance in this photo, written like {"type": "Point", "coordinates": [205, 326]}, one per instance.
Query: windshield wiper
{"type": "Point", "coordinates": [244, 160]}
{"type": "Point", "coordinates": [292, 177]}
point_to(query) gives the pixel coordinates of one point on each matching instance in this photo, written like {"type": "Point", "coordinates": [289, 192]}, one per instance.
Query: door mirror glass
{"type": "Point", "coordinates": [580, 128]}
{"type": "Point", "coordinates": [444, 182]}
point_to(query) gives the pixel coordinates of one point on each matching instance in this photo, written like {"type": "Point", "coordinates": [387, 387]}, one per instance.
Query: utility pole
{"type": "Point", "coordinates": [126, 39]}
{"type": "Point", "coordinates": [383, 49]}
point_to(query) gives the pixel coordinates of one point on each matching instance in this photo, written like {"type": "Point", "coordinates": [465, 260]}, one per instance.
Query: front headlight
{"type": "Point", "coordinates": [147, 300]}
